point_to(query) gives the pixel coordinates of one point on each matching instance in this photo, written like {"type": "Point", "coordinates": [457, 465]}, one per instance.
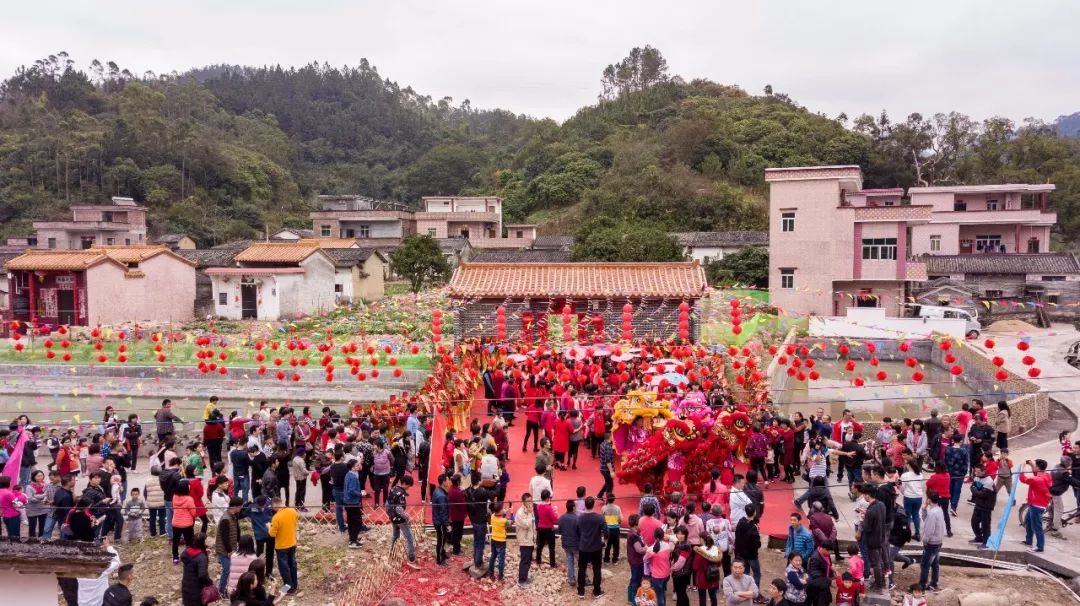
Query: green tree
{"type": "Point", "coordinates": [747, 267]}
{"type": "Point", "coordinates": [604, 239]}
{"type": "Point", "coordinates": [420, 261]}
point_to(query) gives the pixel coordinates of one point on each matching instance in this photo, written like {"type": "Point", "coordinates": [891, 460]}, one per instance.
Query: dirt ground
{"type": "Point", "coordinates": [331, 575]}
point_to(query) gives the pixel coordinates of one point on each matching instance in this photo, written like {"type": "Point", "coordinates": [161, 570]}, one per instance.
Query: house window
{"type": "Point", "coordinates": [935, 243]}
{"type": "Point", "coordinates": [988, 243]}
{"type": "Point", "coordinates": [520, 234]}
{"type": "Point", "coordinates": [1053, 278]}
{"type": "Point", "coordinates": [787, 221]}
{"type": "Point", "coordinates": [994, 294]}
{"type": "Point", "coordinates": [1033, 245]}
{"type": "Point", "coordinates": [787, 279]}
{"type": "Point", "coordinates": [109, 241]}
{"type": "Point", "coordinates": [107, 217]}
{"type": "Point", "coordinates": [324, 231]}
{"type": "Point", "coordinates": [1054, 298]}
{"type": "Point", "coordinates": [991, 205]}
{"type": "Point", "coordinates": [87, 243]}
{"type": "Point", "coordinates": [364, 231]}
{"type": "Point", "coordinates": [127, 241]}
{"type": "Point", "coordinates": [52, 242]}
{"type": "Point", "coordinates": [879, 248]}
{"type": "Point", "coordinates": [339, 288]}
{"type": "Point", "coordinates": [223, 298]}
{"type": "Point", "coordinates": [431, 232]}
{"type": "Point", "coordinates": [959, 205]}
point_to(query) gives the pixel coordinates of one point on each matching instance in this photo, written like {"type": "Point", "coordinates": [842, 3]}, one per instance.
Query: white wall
{"type": "Point", "coordinates": [35, 589]}
{"type": "Point", "coordinates": [872, 323]}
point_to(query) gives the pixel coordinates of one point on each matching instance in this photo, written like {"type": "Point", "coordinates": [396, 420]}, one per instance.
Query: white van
{"type": "Point", "coordinates": [973, 327]}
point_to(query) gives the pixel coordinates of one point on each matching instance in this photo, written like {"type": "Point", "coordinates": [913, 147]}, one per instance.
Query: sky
{"type": "Point", "coordinates": [983, 58]}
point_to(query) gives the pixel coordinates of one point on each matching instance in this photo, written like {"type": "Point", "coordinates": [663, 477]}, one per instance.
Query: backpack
{"type": "Point", "coordinates": [674, 557]}
{"type": "Point", "coordinates": [900, 533]}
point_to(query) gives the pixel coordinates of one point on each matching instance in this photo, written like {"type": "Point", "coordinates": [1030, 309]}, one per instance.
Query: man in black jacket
{"type": "Point", "coordinates": [269, 484]}
{"type": "Point", "coordinates": [748, 541]}
{"type": "Point", "coordinates": [753, 491]}
{"type": "Point", "coordinates": [820, 572]}
{"type": "Point", "coordinates": [984, 498]}
{"type": "Point", "coordinates": [241, 471]}
{"type": "Point", "coordinates": [258, 466]}
{"type": "Point", "coordinates": [63, 501]}
{"type": "Point", "coordinates": [874, 532]}
{"type": "Point", "coordinates": [118, 594]}
{"type": "Point", "coordinates": [478, 498]}
{"type": "Point", "coordinates": [169, 480]}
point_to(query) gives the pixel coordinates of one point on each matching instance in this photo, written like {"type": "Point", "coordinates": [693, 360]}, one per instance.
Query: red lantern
{"type": "Point", "coordinates": [905, 346]}
{"type": "Point", "coordinates": [1022, 346]}
{"type": "Point", "coordinates": [945, 345]}
{"type": "Point", "coordinates": [989, 343]}
{"type": "Point", "coordinates": [1027, 360]}
{"type": "Point", "coordinates": [917, 376]}
{"type": "Point", "coordinates": [814, 376]}
{"type": "Point", "coordinates": [850, 366]}
{"type": "Point", "coordinates": [1034, 372]}
{"type": "Point", "coordinates": [842, 350]}
{"type": "Point", "coordinates": [956, 370]}
{"type": "Point", "coordinates": [998, 361]}
{"type": "Point", "coordinates": [1001, 375]}
{"type": "Point", "coordinates": [870, 347]}
{"type": "Point", "coordinates": [859, 382]}
{"type": "Point", "coordinates": [949, 358]}
{"type": "Point", "coordinates": [881, 376]}
{"type": "Point", "coordinates": [397, 373]}
{"type": "Point", "coordinates": [911, 362]}
{"type": "Point", "coordinates": [873, 361]}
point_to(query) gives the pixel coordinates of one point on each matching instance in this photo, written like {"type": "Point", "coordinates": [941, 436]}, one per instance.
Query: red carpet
{"type": "Point", "coordinates": [778, 496]}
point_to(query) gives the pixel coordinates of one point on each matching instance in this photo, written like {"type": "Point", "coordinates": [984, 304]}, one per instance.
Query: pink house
{"type": "Point", "coordinates": [834, 245]}
{"type": "Point", "coordinates": [101, 286]}
{"type": "Point", "coordinates": [983, 219]}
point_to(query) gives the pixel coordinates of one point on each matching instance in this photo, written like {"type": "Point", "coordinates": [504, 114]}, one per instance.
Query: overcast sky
{"type": "Point", "coordinates": [983, 58]}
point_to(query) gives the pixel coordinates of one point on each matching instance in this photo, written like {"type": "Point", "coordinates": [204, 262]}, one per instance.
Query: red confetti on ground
{"type": "Point", "coordinates": [446, 585]}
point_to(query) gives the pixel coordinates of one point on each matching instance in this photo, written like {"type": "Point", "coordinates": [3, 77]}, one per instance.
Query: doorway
{"type": "Point", "coordinates": [249, 303]}
{"type": "Point", "coordinates": [1033, 245]}
{"type": "Point", "coordinates": [65, 307]}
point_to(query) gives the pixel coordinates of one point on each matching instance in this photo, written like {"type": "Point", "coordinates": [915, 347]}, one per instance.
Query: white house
{"type": "Point", "coordinates": [708, 246]}
{"type": "Point", "coordinates": [274, 281]}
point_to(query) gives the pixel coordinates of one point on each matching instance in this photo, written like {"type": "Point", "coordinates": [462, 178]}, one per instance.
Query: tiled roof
{"type": "Point", "coordinates": [517, 255]}
{"type": "Point", "coordinates": [351, 256]}
{"type": "Point", "coordinates": [276, 252]}
{"type": "Point", "coordinates": [1042, 263]}
{"type": "Point", "coordinates": [723, 238]}
{"type": "Point", "coordinates": [452, 244]}
{"type": "Point", "coordinates": [210, 257]}
{"type": "Point", "coordinates": [136, 254]}
{"type": "Point", "coordinates": [233, 245]}
{"type": "Point", "coordinates": [56, 260]}
{"type": "Point", "coordinates": [651, 280]}
{"type": "Point", "coordinates": [329, 242]}
{"type": "Point", "coordinates": [553, 242]}
{"type": "Point", "coordinates": [299, 233]}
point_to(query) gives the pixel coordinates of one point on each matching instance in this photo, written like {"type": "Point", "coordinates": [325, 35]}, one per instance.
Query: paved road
{"type": "Point", "coordinates": [1063, 382]}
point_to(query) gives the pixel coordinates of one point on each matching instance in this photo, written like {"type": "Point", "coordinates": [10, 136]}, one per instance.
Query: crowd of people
{"type": "Point", "coordinates": [244, 481]}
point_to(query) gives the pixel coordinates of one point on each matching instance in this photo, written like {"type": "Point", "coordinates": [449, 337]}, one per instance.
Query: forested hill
{"type": "Point", "coordinates": [226, 152]}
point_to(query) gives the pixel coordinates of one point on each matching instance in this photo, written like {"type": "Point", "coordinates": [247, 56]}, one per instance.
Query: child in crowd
{"type": "Point", "coordinates": [613, 518]}
{"type": "Point", "coordinates": [579, 502]}
{"type": "Point", "coordinates": [499, 526]}
{"type": "Point", "coordinates": [133, 510]}
{"type": "Point", "coordinates": [855, 564]}
{"type": "Point", "coordinates": [914, 596]}
{"type": "Point", "coordinates": [84, 452]}
{"type": "Point", "coordinates": [848, 590]}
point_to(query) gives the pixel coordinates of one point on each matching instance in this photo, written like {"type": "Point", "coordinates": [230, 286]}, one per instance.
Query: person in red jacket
{"type": "Point", "coordinates": [560, 441]}
{"type": "Point", "coordinates": [939, 483]}
{"type": "Point", "coordinates": [1038, 498]}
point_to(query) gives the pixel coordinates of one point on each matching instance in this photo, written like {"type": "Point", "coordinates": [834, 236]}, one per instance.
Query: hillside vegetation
{"type": "Point", "coordinates": [229, 152]}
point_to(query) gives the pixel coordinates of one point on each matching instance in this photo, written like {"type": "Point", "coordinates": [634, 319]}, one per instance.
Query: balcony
{"type": "Point", "coordinates": [460, 217]}
{"type": "Point", "coordinates": [1023, 216]}
{"type": "Point", "coordinates": [362, 215]}
{"type": "Point", "coordinates": [891, 214]}
{"type": "Point", "coordinates": [885, 270]}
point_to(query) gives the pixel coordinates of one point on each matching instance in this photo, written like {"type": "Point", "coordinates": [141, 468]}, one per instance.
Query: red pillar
{"type": "Point", "coordinates": [33, 299]}
{"type": "Point", "coordinates": [75, 298]}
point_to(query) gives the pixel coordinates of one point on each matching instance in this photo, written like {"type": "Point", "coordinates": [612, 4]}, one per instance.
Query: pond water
{"type": "Point", "coordinates": [897, 397]}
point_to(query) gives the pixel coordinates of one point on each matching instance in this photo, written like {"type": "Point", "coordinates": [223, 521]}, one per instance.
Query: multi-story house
{"type": "Point", "coordinates": [983, 219]}
{"type": "Point", "coordinates": [121, 223]}
{"type": "Point", "coordinates": [834, 245]}
{"type": "Point", "coordinates": [477, 219]}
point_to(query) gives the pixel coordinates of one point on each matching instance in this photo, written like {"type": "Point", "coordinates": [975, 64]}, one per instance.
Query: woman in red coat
{"type": "Point", "coordinates": [598, 424]}
{"type": "Point", "coordinates": [196, 492]}
{"type": "Point", "coordinates": [560, 442]}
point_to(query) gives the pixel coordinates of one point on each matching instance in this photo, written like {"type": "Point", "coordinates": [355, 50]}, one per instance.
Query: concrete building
{"type": "Point", "coordinates": [122, 223]}
{"type": "Point", "coordinates": [474, 218]}
{"type": "Point", "coordinates": [833, 245]}
{"type": "Point", "coordinates": [274, 281]}
{"type": "Point", "coordinates": [359, 274]}
{"type": "Point", "coordinates": [983, 219]}
{"type": "Point", "coordinates": [101, 286]}
{"type": "Point", "coordinates": [708, 246]}
{"type": "Point", "coordinates": [204, 289]}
